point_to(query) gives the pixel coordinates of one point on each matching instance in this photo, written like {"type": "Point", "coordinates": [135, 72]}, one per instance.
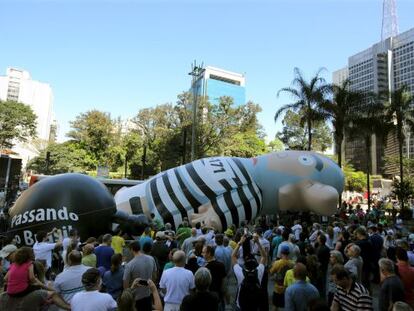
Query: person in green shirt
{"type": "Point", "coordinates": [183, 233]}
{"type": "Point", "coordinates": [88, 257]}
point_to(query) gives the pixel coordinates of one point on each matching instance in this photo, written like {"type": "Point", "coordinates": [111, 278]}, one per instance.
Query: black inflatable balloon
{"type": "Point", "coordinates": [63, 201]}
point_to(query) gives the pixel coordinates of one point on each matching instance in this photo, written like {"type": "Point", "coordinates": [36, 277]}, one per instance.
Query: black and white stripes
{"type": "Point", "coordinates": [224, 183]}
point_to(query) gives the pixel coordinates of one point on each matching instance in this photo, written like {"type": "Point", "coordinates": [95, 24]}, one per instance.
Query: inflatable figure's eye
{"type": "Point", "coordinates": [306, 160]}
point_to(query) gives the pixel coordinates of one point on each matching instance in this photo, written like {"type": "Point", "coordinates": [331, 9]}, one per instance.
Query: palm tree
{"type": "Point", "coordinates": [368, 120]}
{"type": "Point", "coordinates": [307, 95]}
{"type": "Point", "coordinates": [399, 110]}
{"type": "Point", "coordinates": [339, 110]}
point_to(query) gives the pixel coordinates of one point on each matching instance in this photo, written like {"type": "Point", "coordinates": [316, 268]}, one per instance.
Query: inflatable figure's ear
{"type": "Point", "coordinates": [206, 215]}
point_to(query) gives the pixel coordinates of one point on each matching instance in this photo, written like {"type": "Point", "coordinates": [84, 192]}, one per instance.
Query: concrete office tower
{"type": "Point", "coordinates": [385, 66]}
{"type": "Point", "coordinates": [215, 82]}
{"type": "Point", "coordinates": [17, 85]}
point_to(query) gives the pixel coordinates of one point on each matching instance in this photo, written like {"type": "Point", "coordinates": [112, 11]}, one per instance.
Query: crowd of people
{"type": "Point", "coordinates": [346, 264]}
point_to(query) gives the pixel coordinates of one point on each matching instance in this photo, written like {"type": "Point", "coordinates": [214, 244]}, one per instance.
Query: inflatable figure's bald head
{"type": "Point", "coordinates": [298, 181]}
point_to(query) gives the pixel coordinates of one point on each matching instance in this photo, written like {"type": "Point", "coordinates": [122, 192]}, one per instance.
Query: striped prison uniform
{"type": "Point", "coordinates": [222, 182]}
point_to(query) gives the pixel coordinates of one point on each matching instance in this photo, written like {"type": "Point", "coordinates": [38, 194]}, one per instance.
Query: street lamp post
{"type": "Point", "coordinates": [195, 72]}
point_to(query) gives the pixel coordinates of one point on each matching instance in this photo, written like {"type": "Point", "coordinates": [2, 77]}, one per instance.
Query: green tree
{"type": "Point", "coordinates": [294, 136]}
{"type": "Point", "coordinates": [340, 111]}
{"type": "Point", "coordinates": [94, 131]}
{"type": "Point", "coordinates": [306, 96]}
{"type": "Point", "coordinates": [399, 110]}
{"type": "Point", "coordinates": [275, 145]}
{"type": "Point", "coordinates": [369, 121]}
{"type": "Point", "coordinates": [17, 123]}
{"type": "Point", "coordinates": [67, 157]}
{"type": "Point", "coordinates": [354, 180]}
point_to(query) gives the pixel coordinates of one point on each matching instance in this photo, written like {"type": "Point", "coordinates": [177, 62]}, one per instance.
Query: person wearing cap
{"type": "Point", "coordinates": [250, 264]}
{"type": "Point", "coordinates": [279, 269]}
{"type": "Point", "coordinates": [6, 255]}
{"type": "Point", "coordinates": [91, 299]}
{"type": "Point", "coordinates": [160, 250]}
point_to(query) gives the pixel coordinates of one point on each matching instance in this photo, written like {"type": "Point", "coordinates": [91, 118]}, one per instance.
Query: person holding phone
{"type": "Point", "coordinates": [140, 267]}
{"type": "Point", "coordinates": [126, 302]}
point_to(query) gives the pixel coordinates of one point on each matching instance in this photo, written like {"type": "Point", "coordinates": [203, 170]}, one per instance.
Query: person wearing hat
{"type": "Point", "coordinates": [6, 256]}
{"type": "Point", "coordinates": [249, 264]}
{"type": "Point", "coordinates": [91, 299]}
{"type": "Point", "coordinates": [160, 250]}
{"type": "Point", "coordinates": [279, 269]}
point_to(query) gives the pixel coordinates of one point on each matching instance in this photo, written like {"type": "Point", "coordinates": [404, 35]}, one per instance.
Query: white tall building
{"type": "Point", "coordinates": [17, 85]}
{"type": "Point", "coordinates": [385, 66]}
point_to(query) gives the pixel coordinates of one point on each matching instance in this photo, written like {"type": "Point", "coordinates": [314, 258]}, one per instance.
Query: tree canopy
{"type": "Point", "coordinates": [17, 123]}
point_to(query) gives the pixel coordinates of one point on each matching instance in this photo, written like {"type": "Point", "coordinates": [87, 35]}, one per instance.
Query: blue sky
{"type": "Point", "coordinates": [119, 56]}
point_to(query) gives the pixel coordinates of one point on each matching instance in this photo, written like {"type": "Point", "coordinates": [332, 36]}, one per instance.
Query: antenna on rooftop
{"type": "Point", "coordinates": [389, 19]}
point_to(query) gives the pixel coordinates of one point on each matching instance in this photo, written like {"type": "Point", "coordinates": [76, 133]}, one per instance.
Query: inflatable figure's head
{"type": "Point", "coordinates": [63, 201]}
{"type": "Point", "coordinates": [298, 181]}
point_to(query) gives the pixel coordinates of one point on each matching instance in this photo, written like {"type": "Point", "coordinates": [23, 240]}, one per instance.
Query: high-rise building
{"type": "Point", "coordinates": [386, 66]}
{"type": "Point", "coordinates": [214, 83]}
{"type": "Point", "coordinates": [17, 85]}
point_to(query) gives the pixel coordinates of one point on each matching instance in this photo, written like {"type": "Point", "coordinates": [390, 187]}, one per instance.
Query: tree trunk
{"type": "Point", "coordinates": [144, 160]}
{"type": "Point", "coordinates": [368, 147]}
{"type": "Point", "coordinates": [126, 167]}
{"type": "Point", "coordinates": [339, 154]}
{"type": "Point", "coordinates": [309, 131]}
{"type": "Point", "coordinates": [184, 146]}
{"type": "Point", "coordinates": [400, 154]}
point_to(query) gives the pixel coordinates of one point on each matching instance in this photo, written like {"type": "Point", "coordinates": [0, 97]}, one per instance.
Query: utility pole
{"type": "Point", "coordinates": [195, 72]}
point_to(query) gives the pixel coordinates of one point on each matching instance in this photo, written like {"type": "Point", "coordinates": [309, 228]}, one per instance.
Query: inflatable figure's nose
{"type": "Point", "coordinates": [309, 195]}
{"type": "Point", "coordinates": [321, 199]}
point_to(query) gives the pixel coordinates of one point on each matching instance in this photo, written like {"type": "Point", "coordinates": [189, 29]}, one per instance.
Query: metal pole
{"type": "Point", "coordinates": [194, 124]}
{"type": "Point", "coordinates": [196, 71]}
{"type": "Point", "coordinates": [6, 186]}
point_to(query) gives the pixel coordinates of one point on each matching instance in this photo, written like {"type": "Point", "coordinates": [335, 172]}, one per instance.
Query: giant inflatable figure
{"type": "Point", "coordinates": [217, 191]}
{"type": "Point", "coordinates": [221, 191]}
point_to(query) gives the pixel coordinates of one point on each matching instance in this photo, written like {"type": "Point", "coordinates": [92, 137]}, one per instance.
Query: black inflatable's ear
{"type": "Point", "coordinates": [67, 201]}
{"type": "Point", "coordinates": [131, 224]}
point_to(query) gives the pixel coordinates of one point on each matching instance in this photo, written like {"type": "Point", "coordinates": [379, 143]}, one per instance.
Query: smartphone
{"type": "Point", "coordinates": [143, 282]}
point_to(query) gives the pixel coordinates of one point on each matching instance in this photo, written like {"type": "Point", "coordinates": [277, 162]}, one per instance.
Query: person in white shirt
{"type": "Point", "coordinates": [176, 283]}
{"type": "Point", "coordinates": [251, 263]}
{"type": "Point", "coordinates": [91, 299]}
{"type": "Point", "coordinates": [72, 239]}
{"type": "Point", "coordinates": [69, 282]}
{"type": "Point", "coordinates": [42, 249]}
{"type": "Point", "coordinates": [297, 230]}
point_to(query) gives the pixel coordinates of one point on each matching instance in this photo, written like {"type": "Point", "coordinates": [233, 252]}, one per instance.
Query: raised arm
{"type": "Point", "coordinates": [263, 255]}
{"type": "Point", "coordinates": [236, 250]}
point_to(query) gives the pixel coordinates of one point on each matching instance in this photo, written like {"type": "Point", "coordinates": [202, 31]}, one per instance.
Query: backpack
{"type": "Point", "coordinates": [250, 291]}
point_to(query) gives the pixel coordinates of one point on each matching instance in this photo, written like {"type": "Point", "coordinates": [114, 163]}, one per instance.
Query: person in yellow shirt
{"type": "Point", "coordinates": [118, 242]}
{"type": "Point", "coordinates": [290, 278]}
{"type": "Point", "coordinates": [279, 268]}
